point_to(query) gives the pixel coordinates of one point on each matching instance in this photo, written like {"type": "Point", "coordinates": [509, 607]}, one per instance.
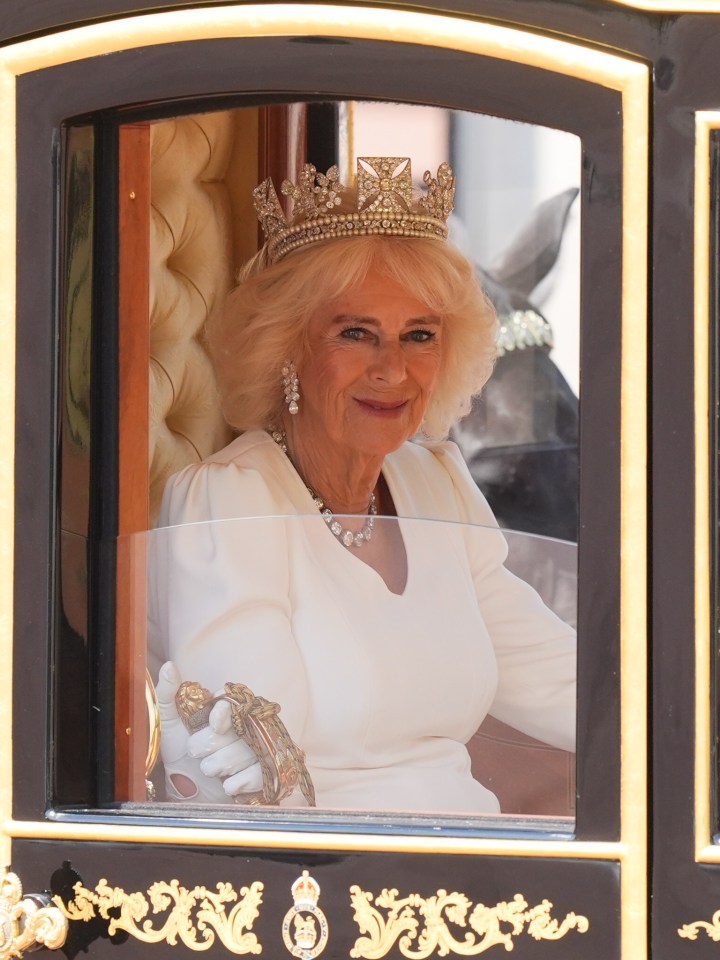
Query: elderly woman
{"type": "Point", "coordinates": [356, 330]}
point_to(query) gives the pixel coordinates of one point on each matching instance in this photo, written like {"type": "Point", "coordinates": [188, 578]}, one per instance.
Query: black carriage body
{"type": "Point", "coordinates": [639, 84]}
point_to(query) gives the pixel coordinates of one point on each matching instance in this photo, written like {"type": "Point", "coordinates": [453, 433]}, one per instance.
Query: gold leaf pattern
{"type": "Point", "coordinates": [27, 923]}
{"type": "Point", "coordinates": [197, 917]}
{"type": "Point", "coordinates": [689, 931]}
{"type": "Point", "coordinates": [489, 926]}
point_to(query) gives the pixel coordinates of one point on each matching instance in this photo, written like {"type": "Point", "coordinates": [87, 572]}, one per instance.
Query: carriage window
{"type": "Point", "coordinates": [326, 613]}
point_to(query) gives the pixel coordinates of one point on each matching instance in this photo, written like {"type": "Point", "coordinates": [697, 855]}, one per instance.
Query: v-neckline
{"type": "Point", "coordinates": [354, 559]}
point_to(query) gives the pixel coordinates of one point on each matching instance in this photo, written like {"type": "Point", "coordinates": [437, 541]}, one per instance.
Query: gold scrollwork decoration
{"type": "Point", "coordinates": [402, 924]}
{"type": "Point", "coordinates": [27, 922]}
{"type": "Point", "coordinates": [197, 917]}
{"type": "Point", "coordinates": [689, 931]}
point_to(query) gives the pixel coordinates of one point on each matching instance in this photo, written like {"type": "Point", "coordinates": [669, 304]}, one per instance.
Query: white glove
{"type": "Point", "coordinates": [184, 779]}
{"type": "Point", "coordinates": [226, 755]}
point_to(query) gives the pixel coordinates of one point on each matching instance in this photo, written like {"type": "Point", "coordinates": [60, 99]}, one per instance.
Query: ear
{"type": "Point", "coordinates": [533, 252]}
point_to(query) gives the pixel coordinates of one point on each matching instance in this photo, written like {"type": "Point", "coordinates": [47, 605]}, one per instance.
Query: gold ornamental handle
{"type": "Point", "coordinates": [257, 722]}
{"type": "Point", "coordinates": [29, 922]}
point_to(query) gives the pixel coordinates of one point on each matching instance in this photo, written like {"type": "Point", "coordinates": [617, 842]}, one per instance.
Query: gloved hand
{"type": "Point", "coordinates": [184, 779]}
{"type": "Point", "coordinates": [226, 755]}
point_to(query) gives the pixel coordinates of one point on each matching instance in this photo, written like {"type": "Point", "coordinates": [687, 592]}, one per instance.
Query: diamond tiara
{"type": "Point", "coordinates": [384, 204]}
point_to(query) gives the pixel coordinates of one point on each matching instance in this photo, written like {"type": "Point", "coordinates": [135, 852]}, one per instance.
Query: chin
{"type": "Point", "coordinates": [380, 442]}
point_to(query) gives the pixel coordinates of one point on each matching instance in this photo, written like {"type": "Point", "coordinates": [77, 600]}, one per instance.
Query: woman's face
{"type": "Point", "coordinates": [372, 365]}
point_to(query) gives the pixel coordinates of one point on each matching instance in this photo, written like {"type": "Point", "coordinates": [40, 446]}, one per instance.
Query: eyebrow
{"type": "Point", "coordinates": [374, 322]}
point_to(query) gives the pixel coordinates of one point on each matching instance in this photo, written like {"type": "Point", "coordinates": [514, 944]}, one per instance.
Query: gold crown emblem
{"type": "Point", "coordinates": [384, 205]}
{"type": "Point", "coordinates": [305, 891]}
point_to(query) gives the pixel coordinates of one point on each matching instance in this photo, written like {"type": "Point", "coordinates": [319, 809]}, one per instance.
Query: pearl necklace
{"type": "Point", "coordinates": [346, 537]}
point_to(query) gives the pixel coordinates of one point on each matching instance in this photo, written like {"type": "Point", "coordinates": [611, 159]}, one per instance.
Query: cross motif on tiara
{"type": "Point", "coordinates": [384, 184]}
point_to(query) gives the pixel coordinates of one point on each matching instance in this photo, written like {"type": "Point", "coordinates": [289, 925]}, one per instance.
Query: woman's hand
{"type": "Point", "coordinates": [225, 755]}
{"type": "Point", "coordinates": [184, 778]}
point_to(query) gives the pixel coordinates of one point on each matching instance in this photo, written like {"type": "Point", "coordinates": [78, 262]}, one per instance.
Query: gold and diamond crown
{"type": "Point", "coordinates": [383, 200]}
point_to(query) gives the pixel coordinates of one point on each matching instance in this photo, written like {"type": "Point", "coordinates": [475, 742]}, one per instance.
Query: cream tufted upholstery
{"type": "Point", "coordinates": [191, 270]}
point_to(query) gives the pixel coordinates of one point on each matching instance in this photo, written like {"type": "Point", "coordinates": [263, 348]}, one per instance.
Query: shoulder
{"type": "Point", "coordinates": [429, 455]}
{"type": "Point", "coordinates": [436, 474]}
{"type": "Point", "coordinates": [251, 447]}
{"type": "Point", "coordinates": [241, 480]}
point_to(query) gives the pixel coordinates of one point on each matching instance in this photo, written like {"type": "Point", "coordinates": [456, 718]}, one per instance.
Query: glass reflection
{"type": "Point", "coordinates": [381, 696]}
{"type": "Point", "coordinates": [384, 716]}
{"type": "Point", "coordinates": [517, 219]}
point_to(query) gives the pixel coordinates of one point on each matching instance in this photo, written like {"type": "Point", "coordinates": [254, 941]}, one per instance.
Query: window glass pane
{"type": "Point", "coordinates": [520, 207]}
{"type": "Point", "coordinates": [383, 666]}
{"type": "Point", "coordinates": [410, 669]}
{"type": "Point", "coordinates": [517, 218]}
{"type": "Point", "coordinates": [71, 662]}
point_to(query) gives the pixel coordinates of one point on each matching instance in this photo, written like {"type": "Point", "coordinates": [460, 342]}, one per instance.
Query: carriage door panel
{"type": "Point", "coordinates": [686, 879]}
{"type": "Point", "coordinates": [95, 112]}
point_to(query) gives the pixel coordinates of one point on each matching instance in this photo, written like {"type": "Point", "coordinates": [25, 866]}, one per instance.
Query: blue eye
{"type": "Point", "coordinates": [353, 333]}
{"type": "Point", "coordinates": [421, 336]}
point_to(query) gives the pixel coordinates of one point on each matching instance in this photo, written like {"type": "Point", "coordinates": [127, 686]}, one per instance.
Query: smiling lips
{"type": "Point", "coordinates": [383, 408]}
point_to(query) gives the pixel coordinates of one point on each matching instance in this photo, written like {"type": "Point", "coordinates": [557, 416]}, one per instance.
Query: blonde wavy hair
{"type": "Point", "coordinates": [265, 321]}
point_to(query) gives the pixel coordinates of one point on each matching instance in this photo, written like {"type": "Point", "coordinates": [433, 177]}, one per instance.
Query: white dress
{"type": "Point", "coordinates": [381, 691]}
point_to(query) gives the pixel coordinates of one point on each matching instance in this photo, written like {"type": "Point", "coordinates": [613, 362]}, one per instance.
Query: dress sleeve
{"type": "Point", "coordinates": [219, 587]}
{"type": "Point", "coordinates": [535, 650]}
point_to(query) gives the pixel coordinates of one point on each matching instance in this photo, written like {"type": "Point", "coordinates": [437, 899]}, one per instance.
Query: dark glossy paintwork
{"type": "Point", "coordinates": [684, 52]}
{"type": "Point", "coordinates": [688, 79]}
{"type": "Point", "coordinates": [48, 97]}
{"type": "Point", "coordinates": [341, 69]}
{"type": "Point", "coordinates": [488, 881]}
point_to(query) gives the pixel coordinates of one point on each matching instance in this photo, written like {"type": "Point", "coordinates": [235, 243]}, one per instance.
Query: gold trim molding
{"type": "Point", "coordinates": [401, 924]}
{"type": "Point", "coordinates": [197, 917]}
{"type": "Point", "coordinates": [672, 6]}
{"type": "Point", "coordinates": [706, 122]}
{"type": "Point", "coordinates": [192, 836]}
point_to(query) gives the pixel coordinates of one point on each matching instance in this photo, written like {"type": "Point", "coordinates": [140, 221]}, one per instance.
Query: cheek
{"type": "Point", "coordinates": [330, 373]}
{"type": "Point", "coordinates": [427, 372]}
{"type": "Point", "coordinates": [338, 368]}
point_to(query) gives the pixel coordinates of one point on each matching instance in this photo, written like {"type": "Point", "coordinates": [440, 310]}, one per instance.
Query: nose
{"type": "Point", "coordinates": [388, 364]}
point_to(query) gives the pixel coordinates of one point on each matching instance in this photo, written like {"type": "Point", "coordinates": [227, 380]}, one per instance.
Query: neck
{"type": "Point", "coordinates": [343, 477]}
